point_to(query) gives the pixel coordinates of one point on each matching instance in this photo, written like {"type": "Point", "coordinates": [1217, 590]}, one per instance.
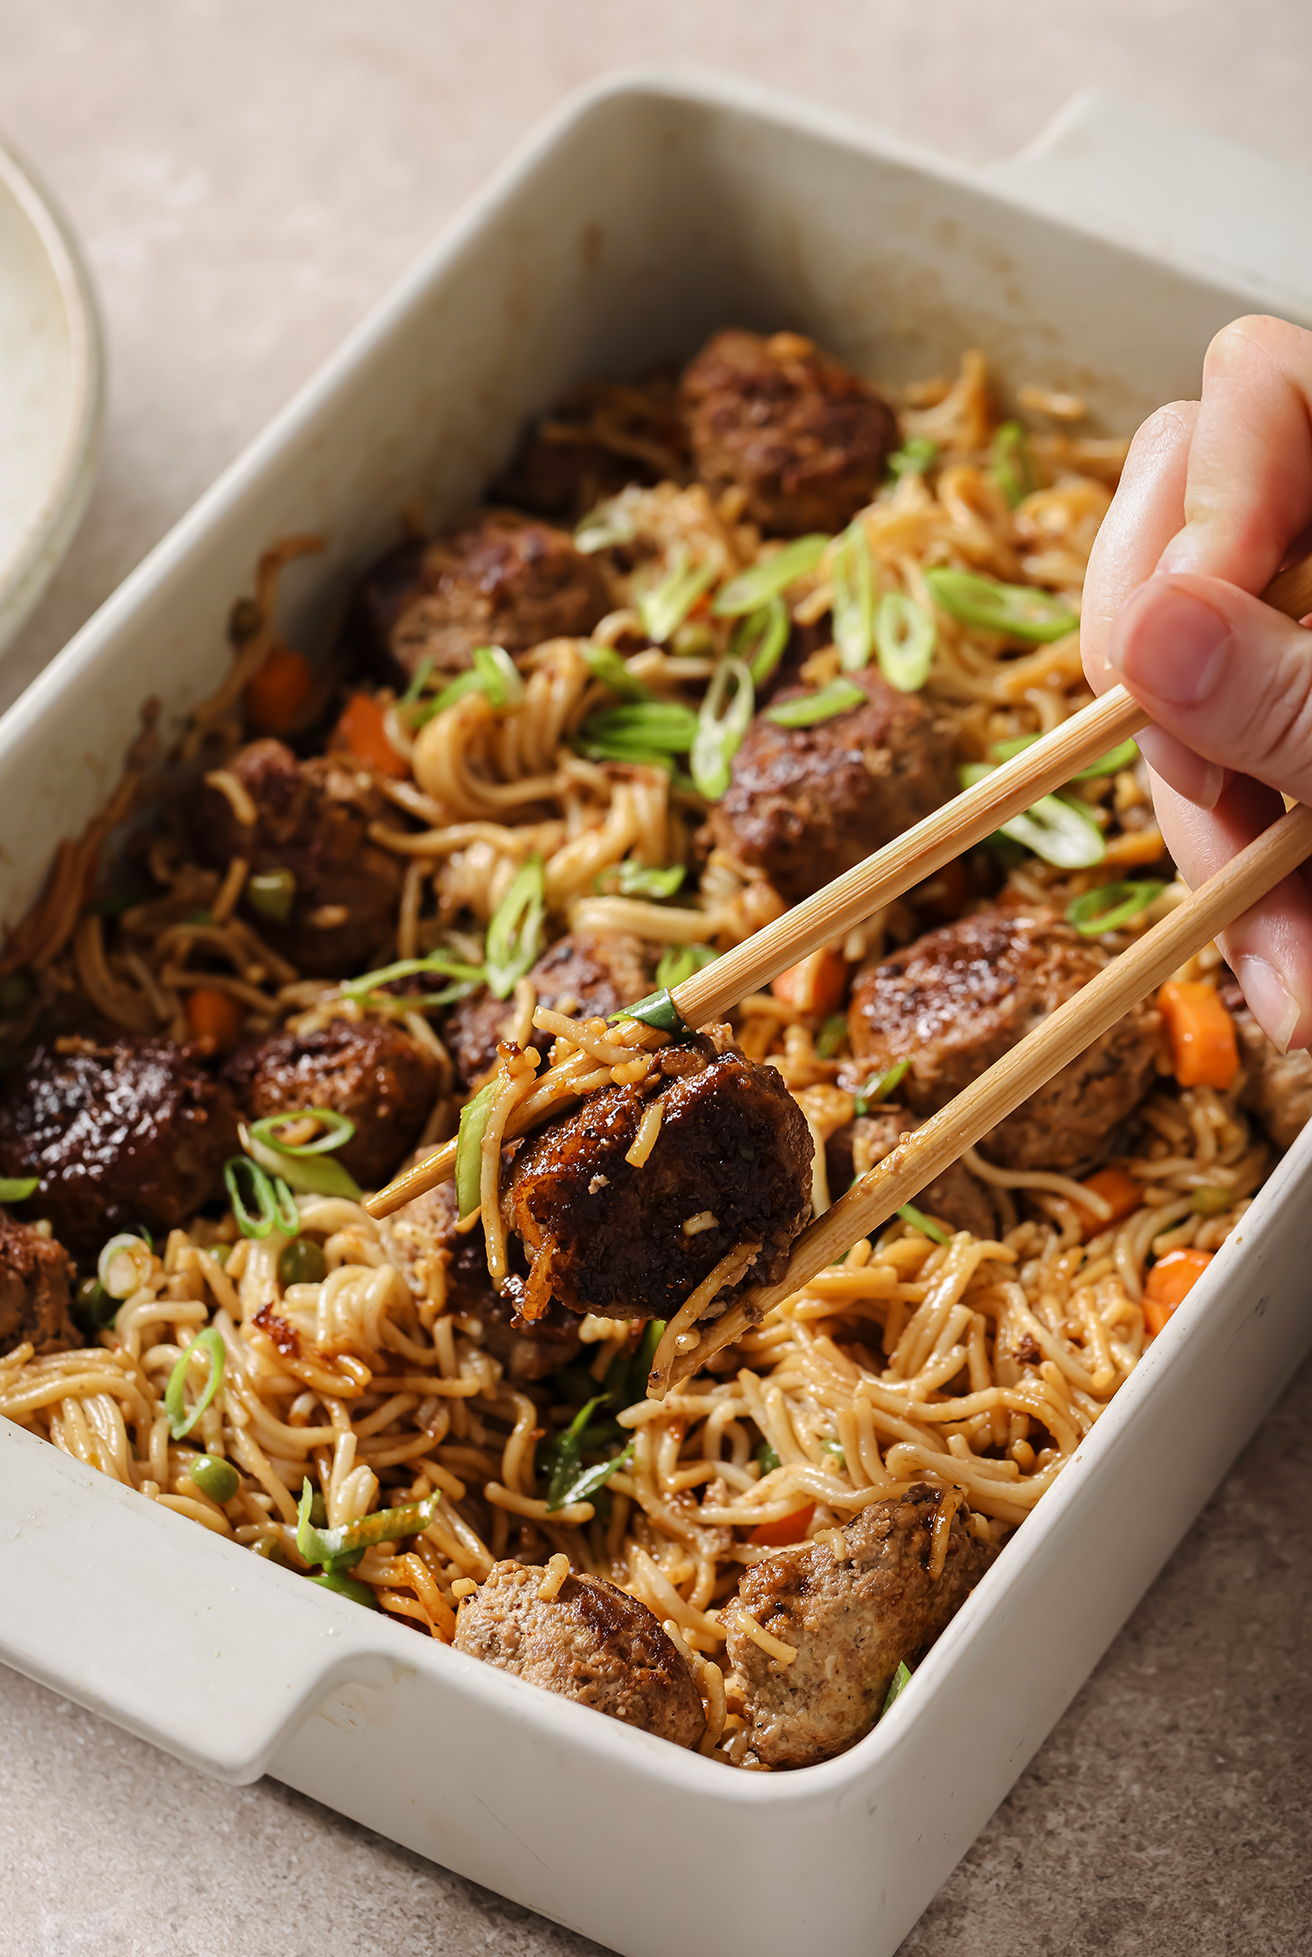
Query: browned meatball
{"type": "Point", "coordinates": [789, 425]}
{"type": "Point", "coordinates": [312, 820]}
{"type": "Point", "coordinates": [563, 468]}
{"type": "Point", "coordinates": [502, 579]}
{"type": "Point", "coordinates": [127, 1133]}
{"type": "Point", "coordinates": [376, 1074]}
{"type": "Point", "coordinates": [957, 999]}
{"type": "Point", "coordinates": [852, 1624]}
{"type": "Point", "coordinates": [35, 1273]}
{"type": "Point", "coordinates": [590, 1642]}
{"type": "Point", "coordinates": [586, 975]}
{"type": "Point", "coordinates": [604, 1236]}
{"type": "Point", "coordinates": [1276, 1086]}
{"type": "Point", "coordinates": [437, 1264]}
{"type": "Point", "coordinates": [955, 1196]}
{"type": "Point", "coordinates": [806, 803]}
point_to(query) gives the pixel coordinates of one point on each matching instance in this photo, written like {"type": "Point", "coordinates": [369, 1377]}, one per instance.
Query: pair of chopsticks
{"type": "Point", "coordinates": [965, 821]}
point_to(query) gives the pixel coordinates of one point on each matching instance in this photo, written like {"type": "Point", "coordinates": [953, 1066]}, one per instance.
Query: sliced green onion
{"type": "Point", "coordinates": [721, 727]}
{"type": "Point", "coordinates": [898, 1684]}
{"type": "Point", "coordinates": [215, 1477]}
{"type": "Point", "coordinates": [659, 1010]}
{"type": "Point", "coordinates": [316, 1175]}
{"type": "Point", "coordinates": [759, 639]}
{"type": "Point", "coordinates": [768, 1459]}
{"type": "Point", "coordinates": [493, 672]}
{"type": "Point", "coordinates": [1111, 763]}
{"type": "Point", "coordinates": [467, 979]}
{"type": "Point", "coordinates": [271, 1199]}
{"type": "Point", "coordinates": [469, 1148]}
{"type": "Point", "coordinates": [561, 1458]}
{"type": "Point", "coordinates": [854, 598]}
{"type": "Point", "coordinates": [175, 1406]}
{"type": "Point", "coordinates": [641, 880]}
{"type": "Point", "coordinates": [94, 1303]}
{"type": "Point", "coordinates": [679, 962]}
{"type": "Point", "coordinates": [1016, 611]}
{"type": "Point", "coordinates": [610, 523]}
{"type": "Point", "coordinates": [346, 1586]}
{"type": "Point", "coordinates": [1111, 905]}
{"type": "Point", "coordinates": [880, 1086]}
{"type": "Point", "coordinates": [338, 1130]}
{"type": "Point", "coordinates": [1059, 828]}
{"type": "Point", "coordinates": [124, 1266]}
{"type": "Point", "coordinates": [914, 457]}
{"type": "Point", "coordinates": [606, 665]}
{"type": "Point", "coordinates": [593, 1479]}
{"type": "Point", "coordinates": [418, 681]}
{"type": "Point", "coordinates": [832, 1035]}
{"type": "Point", "coordinates": [663, 726]}
{"type": "Point", "coordinates": [663, 609]}
{"type": "Point", "coordinates": [839, 697]}
{"type": "Point", "coordinates": [761, 582]}
{"type": "Point", "coordinates": [272, 893]}
{"type": "Point", "coordinates": [332, 1547]}
{"type": "Point", "coordinates": [515, 934]}
{"type": "Point", "coordinates": [1010, 464]}
{"type": "Point", "coordinates": [17, 1189]}
{"type": "Point", "coordinates": [905, 638]}
{"type": "Point", "coordinates": [919, 1221]}
{"type": "Point", "coordinates": [1211, 1200]}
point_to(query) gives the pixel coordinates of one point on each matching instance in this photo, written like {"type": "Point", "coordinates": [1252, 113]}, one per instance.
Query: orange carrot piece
{"type": "Point", "coordinates": [277, 696]}
{"type": "Point", "coordinates": [214, 1016]}
{"type": "Point", "coordinates": [1202, 1034]}
{"type": "Point", "coordinates": [789, 1528]}
{"type": "Point", "coordinates": [1115, 1187]}
{"type": "Point", "coordinates": [1170, 1281]}
{"type": "Point", "coordinates": [816, 985]}
{"type": "Point", "coordinates": [362, 729]}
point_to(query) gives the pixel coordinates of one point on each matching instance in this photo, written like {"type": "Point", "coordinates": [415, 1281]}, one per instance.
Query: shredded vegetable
{"type": "Point", "coordinates": [272, 1199]}
{"type": "Point", "coordinates": [515, 934]}
{"type": "Point", "coordinates": [181, 1422]}
{"type": "Point", "coordinates": [1015, 611]}
{"type": "Point", "coordinates": [880, 1086]}
{"type": "Point", "coordinates": [465, 979]}
{"type": "Point", "coordinates": [756, 587]}
{"type": "Point", "coordinates": [469, 1146]}
{"type": "Point", "coordinates": [493, 672]}
{"type": "Point", "coordinates": [605, 664]}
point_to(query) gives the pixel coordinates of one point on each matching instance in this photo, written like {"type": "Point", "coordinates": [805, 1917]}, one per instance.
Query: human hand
{"type": "Point", "coordinates": [1213, 495]}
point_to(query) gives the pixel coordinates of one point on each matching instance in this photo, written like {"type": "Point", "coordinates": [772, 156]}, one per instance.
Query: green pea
{"type": "Point", "coordinates": [214, 1477]}
{"type": "Point", "coordinates": [303, 1262]}
{"type": "Point", "coordinates": [1211, 1201]}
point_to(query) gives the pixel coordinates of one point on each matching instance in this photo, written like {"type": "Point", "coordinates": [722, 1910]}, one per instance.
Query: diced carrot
{"type": "Point", "coordinates": [1202, 1034]}
{"type": "Point", "coordinates": [1115, 1187]}
{"type": "Point", "coordinates": [363, 730]}
{"type": "Point", "coordinates": [816, 985]}
{"type": "Point", "coordinates": [789, 1528]}
{"type": "Point", "coordinates": [276, 698]}
{"type": "Point", "coordinates": [214, 1016]}
{"type": "Point", "coordinates": [1170, 1281]}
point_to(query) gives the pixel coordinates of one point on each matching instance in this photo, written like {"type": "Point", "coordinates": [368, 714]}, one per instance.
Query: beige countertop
{"type": "Point", "coordinates": [247, 179]}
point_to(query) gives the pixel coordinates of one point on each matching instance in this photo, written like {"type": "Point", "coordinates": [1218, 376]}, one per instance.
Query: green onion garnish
{"type": "Point", "coordinates": [215, 1477]}
{"type": "Point", "coordinates": [839, 697]}
{"type": "Point", "coordinates": [272, 893]}
{"type": "Point", "coordinates": [312, 1175]}
{"type": "Point", "coordinates": [337, 1131]}
{"type": "Point", "coordinates": [659, 1010]}
{"type": "Point", "coordinates": [469, 1148]}
{"type": "Point", "coordinates": [338, 1549]}
{"type": "Point", "coordinates": [768, 1459]}
{"type": "Point", "coordinates": [1058, 827]}
{"type": "Point", "coordinates": [919, 1221]}
{"type": "Point", "coordinates": [1123, 756]}
{"type": "Point", "coordinates": [761, 582]}
{"type": "Point", "coordinates": [418, 681]}
{"type": "Point", "coordinates": [466, 979]}
{"type": "Point", "coordinates": [607, 666]}
{"type": "Point", "coordinates": [880, 1086]}
{"type": "Point", "coordinates": [124, 1266]}
{"type": "Point", "coordinates": [1016, 611]}
{"type": "Point", "coordinates": [832, 1035]}
{"type": "Point", "coordinates": [515, 934]}
{"type": "Point", "coordinates": [679, 962]}
{"type": "Point", "coordinates": [610, 523]}
{"type": "Point", "coordinates": [854, 598]}
{"type": "Point", "coordinates": [593, 1479]}
{"type": "Point", "coordinates": [900, 1680]}
{"type": "Point", "coordinates": [17, 1189]}
{"type": "Point", "coordinates": [639, 731]}
{"type": "Point", "coordinates": [272, 1200]}
{"type": "Point", "coordinates": [346, 1586]}
{"type": "Point", "coordinates": [1111, 905]}
{"type": "Point", "coordinates": [663, 609]}
{"type": "Point", "coordinates": [641, 880]}
{"type": "Point", "coordinates": [1010, 464]}
{"type": "Point", "coordinates": [721, 727]}
{"type": "Point", "coordinates": [914, 457]}
{"type": "Point", "coordinates": [493, 672]}
{"type": "Point", "coordinates": [759, 640]}
{"type": "Point", "coordinates": [905, 638]}
{"type": "Point", "coordinates": [180, 1421]}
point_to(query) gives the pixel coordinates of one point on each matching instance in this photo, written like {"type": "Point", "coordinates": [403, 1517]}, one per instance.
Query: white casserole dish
{"type": "Point", "coordinates": [650, 210]}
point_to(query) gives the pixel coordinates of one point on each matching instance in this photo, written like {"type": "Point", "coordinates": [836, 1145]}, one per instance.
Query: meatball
{"type": "Point", "coordinates": [502, 579]}
{"type": "Point", "coordinates": [375, 1073]}
{"type": "Point", "coordinates": [852, 1624]}
{"type": "Point", "coordinates": [732, 1156]}
{"type": "Point", "coordinates": [1275, 1086]}
{"type": "Point", "coordinates": [563, 468]}
{"type": "Point", "coordinates": [127, 1133]}
{"type": "Point", "coordinates": [955, 1196]}
{"type": "Point", "coordinates": [588, 974]}
{"type": "Point", "coordinates": [35, 1274]}
{"type": "Point", "coordinates": [590, 1642]}
{"type": "Point", "coordinates": [437, 1264]}
{"type": "Point", "coordinates": [311, 820]}
{"type": "Point", "coordinates": [794, 429]}
{"type": "Point", "coordinates": [806, 803]}
{"type": "Point", "coordinates": [957, 999]}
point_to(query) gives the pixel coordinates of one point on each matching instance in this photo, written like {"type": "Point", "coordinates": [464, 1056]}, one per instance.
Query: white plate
{"type": "Point", "coordinates": [51, 390]}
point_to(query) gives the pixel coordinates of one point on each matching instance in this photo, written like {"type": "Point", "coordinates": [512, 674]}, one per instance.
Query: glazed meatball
{"type": "Point", "coordinates": [451, 1270]}
{"type": "Point", "coordinates": [376, 1074]}
{"type": "Point", "coordinates": [1275, 1086]}
{"type": "Point", "coordinates": [127, 1133]}
{"type": "Point", "coordinates": [957, 999]}
{"type": "Point", "coordinates": [806, 803]}
{"type": "Point", "coordinates": [852, 1624]}
{"type": "Point", "coordinates": [35, 1274]}
{"type": "Point", "coordinates": [732, 1155]}
{"type": "Point", "coordinates": [563, 469]}
{"type": "Point", "coordinates": [588, 974]}
{"type": "Point", "coordinates": [311, 820]}
{"type": "Point", "coordinates": [956, 1197]}
{"type": "Point", "coordinates": [590, 1642]}
{"type": "Point", "coordinates": [502, 579]}
{"type": "Point", "coordinates": [790, 426]}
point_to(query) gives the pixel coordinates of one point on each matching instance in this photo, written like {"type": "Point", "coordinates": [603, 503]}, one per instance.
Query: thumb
{"type": "Point", "coordinates": [1223, 673]}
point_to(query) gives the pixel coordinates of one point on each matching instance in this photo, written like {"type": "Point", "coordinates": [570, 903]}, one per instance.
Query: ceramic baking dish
{"type": "Point", "coordinates": [654, 208]}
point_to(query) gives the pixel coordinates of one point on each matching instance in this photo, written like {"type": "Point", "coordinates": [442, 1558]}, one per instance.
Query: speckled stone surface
{"type": "Point", "coordinates": [247, 178]}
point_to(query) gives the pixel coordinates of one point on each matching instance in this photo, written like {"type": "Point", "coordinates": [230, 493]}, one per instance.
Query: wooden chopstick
{"type": "Point", "coordinates": [925, 1153]}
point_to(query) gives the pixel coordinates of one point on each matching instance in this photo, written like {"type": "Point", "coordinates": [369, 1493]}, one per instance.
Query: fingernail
{"type": "Point", "coordinates": [1170, 644]}
{"type": "Point", "coordinates": [1274, 1005]}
